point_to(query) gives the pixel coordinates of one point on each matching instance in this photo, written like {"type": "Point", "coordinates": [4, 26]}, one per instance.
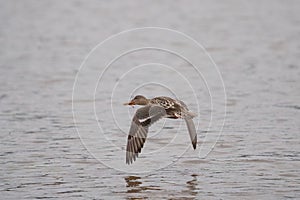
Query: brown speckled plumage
{"type": "Point", "coordinates": [153, 110]}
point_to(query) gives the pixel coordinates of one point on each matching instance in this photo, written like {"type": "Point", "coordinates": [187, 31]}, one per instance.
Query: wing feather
{"type": "Point", "coordinates": [192, 131]}
{"type": "Point", "coordinates": [143, 118]}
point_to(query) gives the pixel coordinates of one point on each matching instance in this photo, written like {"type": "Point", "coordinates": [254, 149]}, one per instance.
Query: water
{"type": "Point", "coordinates": [255, 45]}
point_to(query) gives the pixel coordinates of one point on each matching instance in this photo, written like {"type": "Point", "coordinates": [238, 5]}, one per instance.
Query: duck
{"type": "Point", "coordinates": [151, 111]}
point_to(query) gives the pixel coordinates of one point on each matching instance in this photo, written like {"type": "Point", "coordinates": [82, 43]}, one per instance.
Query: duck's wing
{"type": "Point", "coordinates": [192, 130]}
{"type": "Point", "coordinates": [143, 118]}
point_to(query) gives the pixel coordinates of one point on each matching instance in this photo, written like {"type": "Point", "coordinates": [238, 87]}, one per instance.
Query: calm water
{"type": "Point", "coordinates": [44, 154]}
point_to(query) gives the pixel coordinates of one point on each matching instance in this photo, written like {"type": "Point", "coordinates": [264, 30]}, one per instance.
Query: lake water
{"type": "Point", "coordinates": [64, 128]}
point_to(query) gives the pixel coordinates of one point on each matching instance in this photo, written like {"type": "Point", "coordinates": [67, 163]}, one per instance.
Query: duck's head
{"type": "Point", "coordinates": [138, 100]}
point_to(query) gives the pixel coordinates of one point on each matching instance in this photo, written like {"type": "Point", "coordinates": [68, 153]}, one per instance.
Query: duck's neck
{"type": "Point", "coordinates": [144, 101]}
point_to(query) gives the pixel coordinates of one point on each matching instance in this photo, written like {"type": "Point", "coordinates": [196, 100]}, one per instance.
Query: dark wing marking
{"type": "Point", "coordinates": [192, 131]}
{"type": "Point", "coordinates": [143, 118]}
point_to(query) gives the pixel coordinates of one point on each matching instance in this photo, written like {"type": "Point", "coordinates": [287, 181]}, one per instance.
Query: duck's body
{"type": "Point", "coordinates": [174, 108]}
{"type": "Point", "coordinates": [153, 110]}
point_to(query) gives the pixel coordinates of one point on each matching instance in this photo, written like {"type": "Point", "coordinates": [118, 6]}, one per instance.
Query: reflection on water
{"type": "Point", "coordinates": [133, 182]}
{"type": "Point", "coordinates": [134, 186]}
{"type": "Point", "coordinates": [136, 190]}
{"type": "Point", "coordinates": [192, 185]}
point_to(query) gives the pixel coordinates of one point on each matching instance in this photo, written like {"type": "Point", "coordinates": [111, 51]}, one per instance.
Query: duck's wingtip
{"type": "Point", "coordinates": [194, 146]}
{"type": "Point", "coordinates": [128, 162]}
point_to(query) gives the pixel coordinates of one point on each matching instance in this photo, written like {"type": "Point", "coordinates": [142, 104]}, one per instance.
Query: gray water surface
{"type": "Point", "coordinates": [256, 46]}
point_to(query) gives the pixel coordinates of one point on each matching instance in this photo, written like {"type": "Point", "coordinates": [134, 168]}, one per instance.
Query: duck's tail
{"type": "Point", "coordinates": [191, 114]}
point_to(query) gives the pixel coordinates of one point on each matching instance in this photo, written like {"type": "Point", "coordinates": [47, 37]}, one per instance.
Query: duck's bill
{"type": "Point", "coordinates": [129, 103]}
